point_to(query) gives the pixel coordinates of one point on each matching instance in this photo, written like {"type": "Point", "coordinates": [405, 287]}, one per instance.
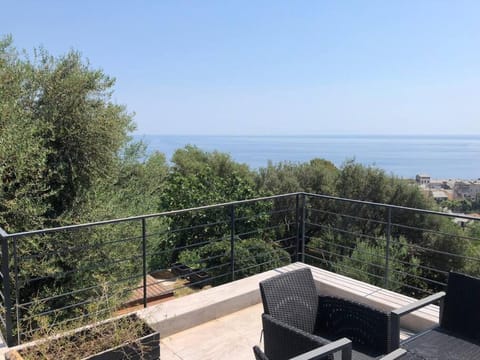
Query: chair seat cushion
{"type": "Point", "coordinates": [441, 345]}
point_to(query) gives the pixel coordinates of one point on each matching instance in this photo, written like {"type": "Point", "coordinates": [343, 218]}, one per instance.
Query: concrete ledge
{"type": "Point", "coordinates": [183, 313]}
{"type": "Point", "coordinates": [342, 286]}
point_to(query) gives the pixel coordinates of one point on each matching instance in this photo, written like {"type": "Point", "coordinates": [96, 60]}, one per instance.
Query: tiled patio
{"type": "Point", "coordinates": [229, 337]}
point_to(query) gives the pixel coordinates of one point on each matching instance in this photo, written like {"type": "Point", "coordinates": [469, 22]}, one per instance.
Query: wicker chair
{"type": "Point", "coordinates": [309, 353]}
{"type": "Point", "coordinates": [292, 306]}
{"type": "Point", "coordinates": [458, 334]}
{"type": "Point", "coordinates": [344, 346]}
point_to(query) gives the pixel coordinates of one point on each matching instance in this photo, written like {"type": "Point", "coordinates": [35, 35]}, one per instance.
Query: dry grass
{"type": "Point", "coordinates": [89, 341]}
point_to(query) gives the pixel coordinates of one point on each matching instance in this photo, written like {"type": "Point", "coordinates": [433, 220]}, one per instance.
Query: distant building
{"type": "Point", "coordinates": [422, 179]}
{"type": "Point", "coordinates": [469, 190]}
{"type": "Point", "coordinates": [439, 195]}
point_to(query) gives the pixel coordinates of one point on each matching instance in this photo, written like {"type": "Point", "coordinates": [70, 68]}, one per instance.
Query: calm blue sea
{"type": "Point", "coordinates": [445, 157]}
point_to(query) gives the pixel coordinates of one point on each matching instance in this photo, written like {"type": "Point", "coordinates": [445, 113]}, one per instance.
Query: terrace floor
{"type": "Point", "coordinates": [229, 337]}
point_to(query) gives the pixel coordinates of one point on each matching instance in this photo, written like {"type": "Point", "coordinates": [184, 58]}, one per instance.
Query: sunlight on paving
{"type": "Point", "coordinates": [229, 337]}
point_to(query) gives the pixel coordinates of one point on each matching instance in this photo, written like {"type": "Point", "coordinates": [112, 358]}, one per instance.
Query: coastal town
{"type": "Point", "coordinates": [457, 196]}
{"type": "Point", "coordinates": [451, 189]}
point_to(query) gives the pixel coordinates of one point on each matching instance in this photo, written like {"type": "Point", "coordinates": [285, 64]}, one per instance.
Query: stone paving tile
{"type": "Point", "coordinates": [229, 337]}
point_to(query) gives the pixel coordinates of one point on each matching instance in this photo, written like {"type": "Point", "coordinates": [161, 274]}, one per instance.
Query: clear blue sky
{"type": "Point", "coordinates": [273, 67]}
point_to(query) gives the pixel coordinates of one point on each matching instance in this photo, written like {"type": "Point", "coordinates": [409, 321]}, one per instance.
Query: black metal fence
{"type": "Point", "coordinates": [57, 278]}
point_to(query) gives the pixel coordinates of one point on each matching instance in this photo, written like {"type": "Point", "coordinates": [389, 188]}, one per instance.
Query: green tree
{"type": "Point", "coordinates": [367, 262]}
{"type": "Point", "coordinates": [200, 178]}
{"type": "Point", "coordinates": [23, 158]}
{"type": "Point", "coordinates": [61, 141]}
{"type": "Point", "coordinates": [252, 256]}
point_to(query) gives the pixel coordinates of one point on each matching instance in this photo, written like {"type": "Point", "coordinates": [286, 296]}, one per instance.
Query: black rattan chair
{"type": "Point", "coordinates": [303, 350]}
{"type": "Point", "coordinates": [342, 346]}
{"type": "Point", "coordinates": [458, 335]}
{"type": "Point", "coordinates": [291, 304]}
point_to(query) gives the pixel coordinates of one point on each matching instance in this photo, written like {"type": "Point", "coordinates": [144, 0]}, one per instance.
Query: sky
{"type": "Point", "coordinates": [273, 67]}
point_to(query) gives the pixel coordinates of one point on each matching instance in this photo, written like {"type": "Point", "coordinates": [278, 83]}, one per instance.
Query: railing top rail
{"type": "Point", "coordinates": [431, 212]}
{"type": "Point", "coordinates": [3, 233]}
{"type": "Point", "coordinates": [140, 217]}
{"type": "Point", "coordinates": [207, 207]}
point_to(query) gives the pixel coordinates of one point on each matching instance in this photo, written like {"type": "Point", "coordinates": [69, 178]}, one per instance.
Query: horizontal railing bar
{"type": "Point", "coordinates": [249, 217]}
{"type": "Point", "coordinates": [409, 286]}
{"type": "Point", "coordinates": [328, 227]}
{"type": "Point", "coordinates": [436, 232]}
{"type": "Point", "coordinates": [377, 255]}
{"type": "Point", "coordinates": [54, 297]}
{"type": "Point", "coordinates": [198, 226]}
{"type": "Point", "coordinates": [349, 267]}
{"type": "Point", "coordinates": [346, 256]}
{"type": "Point", "coordinates": [284, 239]}
{"type": "Point", "coordinates": [140, 217]}
{"type": "Point", "coordinates": [397, 207]}
{"type": "Point", "coordinates": [65, 250]}
{"type": "Point", "coordinates": [104, 265]}
{"type": "Point", "coordinates": [373, 220]}
{"type": "Point", "coordinates": [268, 228]}
{"type": "Point", "coordinates": [254, 266]}
{"type": "Point", "coordinates": [175, 212]}
{"type": "Point", "coordinates": [418, 277]}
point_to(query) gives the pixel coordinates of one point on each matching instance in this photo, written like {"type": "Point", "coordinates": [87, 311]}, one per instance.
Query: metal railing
{"type": "Point", "coordinates": [60, 277]}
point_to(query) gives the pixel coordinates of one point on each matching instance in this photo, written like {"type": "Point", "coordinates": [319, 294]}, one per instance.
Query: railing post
{"type": "Point", "coordinates": [17, 294]}
{"type": "Point", "coordinates": [144, 261]}
{"type": "Point", "coordinates": [6, 291]}
{"type": "Point", "coordinates": [297, 221]}
{"type": "Point", "coordinates": [304, 212]}
{"type": "Point", "coordinates": [387, 246]}
{"type": "Point", "coordinates": [232, 241]}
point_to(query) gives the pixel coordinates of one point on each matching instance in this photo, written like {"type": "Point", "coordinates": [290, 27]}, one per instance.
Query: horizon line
{"type": "Point", "coordinates": [311, 135]}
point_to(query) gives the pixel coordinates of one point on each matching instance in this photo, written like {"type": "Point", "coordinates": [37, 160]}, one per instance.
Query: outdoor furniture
{"type": "Point", "coordinates": [293, 306]}
{"type": "Point", "coordinates": [343, 345]}
{"type": "Point", "coordinates": [458, 334]}
{"type": "Point", "coordinates": [309, 348]}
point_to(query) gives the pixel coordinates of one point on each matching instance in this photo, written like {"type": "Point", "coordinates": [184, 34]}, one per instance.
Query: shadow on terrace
{"type": "Point", "coordinates": [379, 254]}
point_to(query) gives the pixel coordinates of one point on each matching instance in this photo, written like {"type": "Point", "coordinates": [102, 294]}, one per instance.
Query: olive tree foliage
{"type": "Point", "coordinates": [61, 135]}
{"type": "Point", "coordinates": [252, 255]}
{"type": "Point", "coordinates": [62, 140]}
{"type": "Point", "coordinates": [367, 261]}
{"type": "Point", "coordinates": [428, 239]}
{"type": "Point", "coordinates": [316, 176]}
{"type": "Point", "coordinates": [199, 178]}
{"type": "Point", "coordinates": [23, 158]}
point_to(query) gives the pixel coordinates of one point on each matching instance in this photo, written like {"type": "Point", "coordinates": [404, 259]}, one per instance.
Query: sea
{"type": "Point", "coordinates": [441, 157]}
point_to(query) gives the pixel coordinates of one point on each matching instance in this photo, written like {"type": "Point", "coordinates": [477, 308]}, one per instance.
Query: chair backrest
{"type": "Point", "coordinates": [461, 311]}
{"type": "Point", "coordinates": [291, 298]}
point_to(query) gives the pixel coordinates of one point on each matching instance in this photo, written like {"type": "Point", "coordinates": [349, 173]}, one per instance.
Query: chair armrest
{"type": "Point", "coordinates": [344, 345]}
{"type": "Point", "coordinates": [407, 309]}
{"type": "Point", "coordinates": [282, 341]}
{"type": "Point", "coordinates": [418, 304]}
{"type": "Point", "coordinates": [397, 354]}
